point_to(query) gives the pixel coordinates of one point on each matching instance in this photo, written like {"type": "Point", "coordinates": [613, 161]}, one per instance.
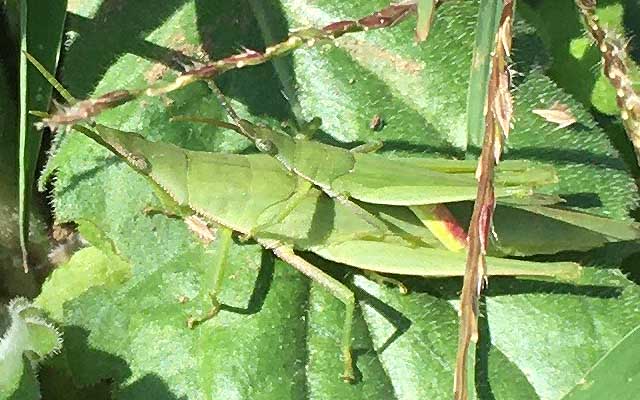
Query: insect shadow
{"type": "Point", "coordinates": [582, 200]}
{"type": "Point", "coordinates": [393, 316]}
{"type": "Point", "coordinates": [449, 288]}
{"type": "Point", "coordinates": [483, 382]}
{"type": "Point", "coordinates": [260, 288]}
{"type": "Point", "coordinates": [256, 25]}
{"type": "Point", "coordinates": [566, 156]}
{"type": "Point", "coordinates": [399, 321]}
{"type": "Point", "coordinates": [98, 166]}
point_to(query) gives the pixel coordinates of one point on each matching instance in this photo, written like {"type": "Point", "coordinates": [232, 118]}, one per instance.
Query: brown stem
{"type": "Point", "coordinates": [387, 17]}
{"type": "Point", "coordinates": [613, 49]}
{"type": "Point", "coordinates": [497, 118]}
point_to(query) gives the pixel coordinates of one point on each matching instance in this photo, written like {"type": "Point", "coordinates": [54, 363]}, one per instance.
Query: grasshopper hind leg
{"type": "Point", "coordinates": [335, 287]}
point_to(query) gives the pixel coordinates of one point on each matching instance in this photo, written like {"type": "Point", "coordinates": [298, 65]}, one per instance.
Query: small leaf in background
{"type": "Point", "coordinates": [27, 338]}
{"type": "Point", "coordinates": [576, 61]}
{"type": "Point", "coordinates": [87, 268]}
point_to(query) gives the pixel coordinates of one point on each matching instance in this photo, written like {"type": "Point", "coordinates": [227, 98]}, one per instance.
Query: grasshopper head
{"type": "Point", "coordinates": [129, 146]}
{"type": "Point", "coordinates": [163, 163]}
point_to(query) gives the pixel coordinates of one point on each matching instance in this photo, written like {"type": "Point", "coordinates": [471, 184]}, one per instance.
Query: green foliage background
{"type": "Point", "coordinates": [118, 301]}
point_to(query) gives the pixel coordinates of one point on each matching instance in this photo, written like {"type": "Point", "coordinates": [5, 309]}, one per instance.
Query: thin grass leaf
{"type": "Point", "coordinates": [497, 119]}
{"type": "Point", "coordinates": [43, 41]}
{"type": "Point", "coordinates": [486, 29]}
{"type": "Point", "coordinates": [426, 16]}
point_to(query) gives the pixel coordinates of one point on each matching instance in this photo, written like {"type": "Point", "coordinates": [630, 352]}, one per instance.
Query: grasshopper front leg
{"type": "Point", "coordinates": [213, 277]}
{"type": "Point", "coordinates": [335, 287]}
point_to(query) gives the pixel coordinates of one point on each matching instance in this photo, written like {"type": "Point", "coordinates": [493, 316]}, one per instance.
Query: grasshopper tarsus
{"type": "Point", "coordinates": [193, 322]}
{"type": "Point", "coordinates": [245, 237]}
{"type": "Point", "coordinates": [350, 379]}
{"type": "Point", "coordinates": [150, 211]}
{"type": "Point", "coordinates": [385, 280]}
{"type": "Point", "coordinates": [348, 375]}
{"type": "Point", "coordinates": [369, 147]}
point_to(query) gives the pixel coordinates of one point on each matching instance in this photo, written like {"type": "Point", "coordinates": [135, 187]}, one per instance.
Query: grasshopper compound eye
{"type": "Point", "coordinates": [266, 146]}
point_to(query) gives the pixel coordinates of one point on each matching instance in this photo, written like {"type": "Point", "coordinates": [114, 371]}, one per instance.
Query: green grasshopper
{"type": "Point", "coordinates": [254, 196]}
{"type": "Point", "coordinates": [356, 174]}
{"type": "Point", "coordinates": [247, 192]}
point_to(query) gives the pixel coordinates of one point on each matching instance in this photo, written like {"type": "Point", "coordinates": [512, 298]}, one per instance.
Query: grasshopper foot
{"type": "Point", "coordinates": [385, 280]}
{"type": "Point", "coordinates": [348, 376]}
{"type": "Point", "coordinates": [151, 210]}
{"type": "Point", "coordinates": [193, 321]}
{"type": "Point", "coordinates": [370, 147]}
{"type": "Point", "coordinates": [200, 227]}
{"type": "Point", "coordinates": [245, 237]}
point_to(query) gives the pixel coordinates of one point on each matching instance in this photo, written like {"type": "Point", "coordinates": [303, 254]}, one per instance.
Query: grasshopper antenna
{"type": "Point", "coordinates": [51, 79]}
{"type": "Point", "coordinates": [239, 122]}
{"type": "Point", "coordinates": [245, 128]}
{"type": "Point", "coordinates": [210, 121]}
{"type": "Point", "coordinates": [225, 104]}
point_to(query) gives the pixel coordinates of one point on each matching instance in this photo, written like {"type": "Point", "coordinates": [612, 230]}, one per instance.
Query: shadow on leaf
{"type": "Point", "coordinates": [120, 28]}
{"type": "Point", "coordinates": [90, 366]}
{"type": "Point", "coordinates": [258, 87]}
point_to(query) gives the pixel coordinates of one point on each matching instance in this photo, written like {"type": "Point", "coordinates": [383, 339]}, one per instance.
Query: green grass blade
{"type": "Point", "coordinates": [426, 14]}
{"type": "Point", "coordinates": [43, 41]}
{"type": "Point", "coordinates": [24, 164]}
{"type": "Point", "coordinates": [486, 28]}
{"type": "Point", "coordinates": [485, 34]}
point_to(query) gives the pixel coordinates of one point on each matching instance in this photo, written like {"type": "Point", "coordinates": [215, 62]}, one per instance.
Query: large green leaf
{"type": "Point", "coordinates": [614, 374]}
{"type": "Point", "coordinates": [277, 335]}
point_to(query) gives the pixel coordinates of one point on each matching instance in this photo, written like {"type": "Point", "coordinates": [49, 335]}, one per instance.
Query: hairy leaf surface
{"type": "Point", "coordinates": [277, 335]}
